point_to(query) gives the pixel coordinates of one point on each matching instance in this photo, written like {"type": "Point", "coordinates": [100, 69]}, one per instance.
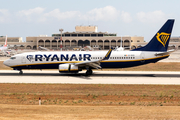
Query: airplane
{"type": "Point", "coordinates": [43, 48]}
{"type": "Point", "coordinates": [4, 48]}
{"type": "Point", "coordinates": [73, 62]}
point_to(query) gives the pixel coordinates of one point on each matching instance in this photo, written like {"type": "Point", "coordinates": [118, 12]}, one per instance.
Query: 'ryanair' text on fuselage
{"type": "Point", "coordinates": [62, 57]}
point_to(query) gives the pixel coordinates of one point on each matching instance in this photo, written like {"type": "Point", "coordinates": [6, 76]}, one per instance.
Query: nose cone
{"type": "Point", "coordinates": [6, 62]}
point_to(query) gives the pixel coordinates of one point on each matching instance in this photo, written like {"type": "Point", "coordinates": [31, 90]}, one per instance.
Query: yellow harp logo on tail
{"type": "Point", "coordinates": [162, 38]}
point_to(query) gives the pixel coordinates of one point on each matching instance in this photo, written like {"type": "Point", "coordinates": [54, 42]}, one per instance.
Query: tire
{"type": "Point", "coordinates": [89, 72]}
{"type": "Point", "coordinates": [20, 72]}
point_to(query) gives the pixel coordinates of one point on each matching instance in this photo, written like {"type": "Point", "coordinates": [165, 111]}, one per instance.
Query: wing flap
{"type": "Point", "coordinates": [94, 65]}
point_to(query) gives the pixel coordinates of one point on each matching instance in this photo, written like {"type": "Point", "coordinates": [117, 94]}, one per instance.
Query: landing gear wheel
{"type": "Point", "coordinates": [20, 72]}
{"type": "Point", "coordinates": [89, 72]}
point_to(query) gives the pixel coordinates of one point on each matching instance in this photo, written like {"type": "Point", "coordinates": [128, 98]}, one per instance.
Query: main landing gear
{"type": "Point", "coordinates": [20, 72]}
{"type": "Point", "coordinates": [89, 72]}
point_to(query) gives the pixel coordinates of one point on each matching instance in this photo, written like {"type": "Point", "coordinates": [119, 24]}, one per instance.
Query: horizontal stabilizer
{"type": "Point", "coordinates": [165, 53]}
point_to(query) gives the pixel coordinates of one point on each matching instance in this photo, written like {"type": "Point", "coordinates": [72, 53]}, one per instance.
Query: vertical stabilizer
{"type": "Point", "coordinates": [160, 41]}
{"type": "Point", "coordinates": [5, 45]}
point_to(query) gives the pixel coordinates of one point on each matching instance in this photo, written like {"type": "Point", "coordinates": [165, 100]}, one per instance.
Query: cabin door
{"type": "Point", "coordinates": [23, 59]}
{"type": "Point", "coordinates": [142, 57]}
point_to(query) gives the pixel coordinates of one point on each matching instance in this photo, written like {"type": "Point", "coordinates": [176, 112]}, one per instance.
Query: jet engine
{"type": "Point", "coordinates": [68, 68]}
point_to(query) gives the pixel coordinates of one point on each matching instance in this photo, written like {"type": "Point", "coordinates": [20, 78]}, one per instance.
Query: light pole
{"type": "Point", "coordinates": [61, 38]}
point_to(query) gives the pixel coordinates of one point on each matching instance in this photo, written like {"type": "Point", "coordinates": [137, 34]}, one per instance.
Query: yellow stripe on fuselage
{"type": "Point", "coordinates": [48, 63]}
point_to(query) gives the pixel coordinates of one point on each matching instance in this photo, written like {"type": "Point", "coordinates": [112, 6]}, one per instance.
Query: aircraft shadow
{"type": "Point", "coordinates": [93, 75]}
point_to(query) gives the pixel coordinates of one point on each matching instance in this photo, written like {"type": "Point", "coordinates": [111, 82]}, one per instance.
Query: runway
{"type": "Point", "coordinates": [99, 77]}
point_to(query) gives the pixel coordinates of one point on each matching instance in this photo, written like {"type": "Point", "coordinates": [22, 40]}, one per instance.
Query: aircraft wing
{"type": "Point", "coordinates": [43, 48]}
{"type": "Point", "coordinates": [165, 53]}
{"type": "Point", "coordinates": [95, 63]}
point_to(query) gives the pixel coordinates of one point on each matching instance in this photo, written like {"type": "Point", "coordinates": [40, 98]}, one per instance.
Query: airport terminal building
{"type": "Point", "coordinates": [83, 36]}
{"type": "Point", "coordinates": [12, 41]}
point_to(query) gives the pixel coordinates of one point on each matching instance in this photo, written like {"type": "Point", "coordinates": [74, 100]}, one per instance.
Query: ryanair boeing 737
{"type": "Point", "coordinates": [73, 62]}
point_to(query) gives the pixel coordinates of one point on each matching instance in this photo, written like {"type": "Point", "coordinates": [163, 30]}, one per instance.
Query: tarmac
{"type": "Point", "coordinates": [99, 77]}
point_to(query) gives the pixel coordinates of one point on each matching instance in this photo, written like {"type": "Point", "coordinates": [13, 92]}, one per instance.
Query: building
{"type": "Point", "coordinates": [86, 28]}
{"type": "Point", "coordinates": [15, 42]}
{"type": "Point", "coordinates": [83, 36]}
{"type": "Point", "coordinates": [174, 43]}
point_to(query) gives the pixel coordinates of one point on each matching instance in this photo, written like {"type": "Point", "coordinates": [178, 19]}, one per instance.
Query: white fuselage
{"type": "Point", "coordinates": [51, 60]}
{"type": "Point", "coordinates": [3, 48]}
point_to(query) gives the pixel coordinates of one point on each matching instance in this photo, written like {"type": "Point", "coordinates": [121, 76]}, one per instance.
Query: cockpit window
{"type": "Point", "coordinates": [12, 58]}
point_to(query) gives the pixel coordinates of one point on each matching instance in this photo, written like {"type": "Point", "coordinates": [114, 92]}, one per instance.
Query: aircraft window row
{"type": "Point", "coordinates": [122, 57]}
{"type": "Point", "coordinates": [12, 58]}
{"type": "Point", "coordinates": [96, 58]}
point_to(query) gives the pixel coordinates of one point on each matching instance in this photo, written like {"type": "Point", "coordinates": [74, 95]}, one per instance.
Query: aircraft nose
{"type": "Point", "coordinates": [6, 62]}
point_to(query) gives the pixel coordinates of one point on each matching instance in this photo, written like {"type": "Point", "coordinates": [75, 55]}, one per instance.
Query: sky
{"type": "Point", "coordinates": [22, 18]}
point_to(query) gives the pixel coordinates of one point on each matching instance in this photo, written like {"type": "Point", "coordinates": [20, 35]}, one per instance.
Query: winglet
{"type": "Point", "coordinates": [107, 55]}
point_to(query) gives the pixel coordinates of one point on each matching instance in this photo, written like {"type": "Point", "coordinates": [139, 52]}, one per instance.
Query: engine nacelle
{"type": "Point", "coordinates": [68, 68]}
